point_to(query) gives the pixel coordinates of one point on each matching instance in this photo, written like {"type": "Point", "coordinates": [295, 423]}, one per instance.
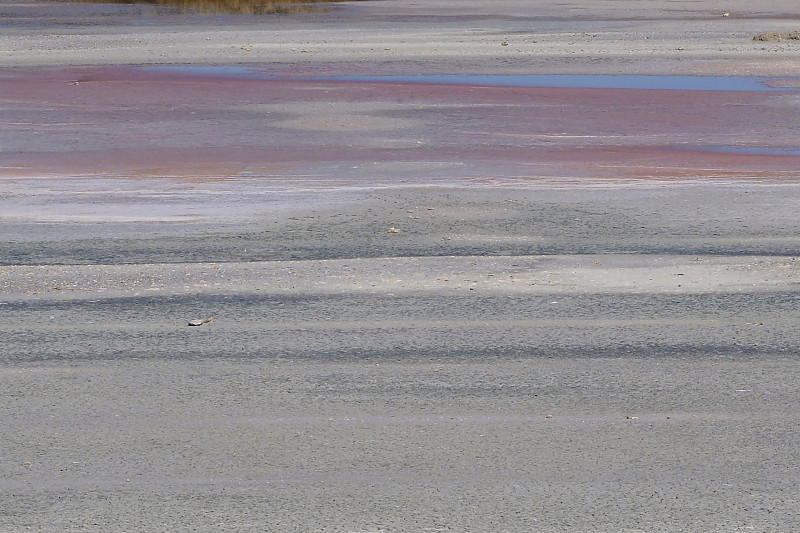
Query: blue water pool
{"type": "Point", "coordinates": [585, 81]}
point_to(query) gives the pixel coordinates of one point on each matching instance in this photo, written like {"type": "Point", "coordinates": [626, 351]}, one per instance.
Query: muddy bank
{"type": "Point", "coordinates": [410, 37]}
{"type": "Point", "coordinates": [402, 410]}
{"type": "Point", "coordinates": [588, 392]}
{"type": "Point", "coordinates": [676, 219]}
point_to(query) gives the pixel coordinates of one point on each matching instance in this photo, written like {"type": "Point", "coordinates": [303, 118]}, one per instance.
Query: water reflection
{"type": "Point", "coordinates": [235, 7]}
{"type": "Point", "coordinates": [591, 81]}
{"type": "Point", "coordinates": [751, 150]}
{"type": "Point", "coordinates": [584, 81]}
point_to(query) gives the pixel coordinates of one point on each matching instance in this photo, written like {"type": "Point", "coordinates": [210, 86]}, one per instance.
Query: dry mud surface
{"type": "Point", "coordinates": [435, 307]}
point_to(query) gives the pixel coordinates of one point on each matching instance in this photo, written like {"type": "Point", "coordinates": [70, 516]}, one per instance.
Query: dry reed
{"type": "Point", "coordinates": [240, 7]}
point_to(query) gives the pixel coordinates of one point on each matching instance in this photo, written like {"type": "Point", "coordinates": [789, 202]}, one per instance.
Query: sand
{"type": "Point", "coordinates": [436, 308]}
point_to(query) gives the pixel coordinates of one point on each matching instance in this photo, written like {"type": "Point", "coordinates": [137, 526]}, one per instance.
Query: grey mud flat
{"type": "Point", "coordinates": [398, 387]}
{"type": "Point", "coordinates": [447, 352]}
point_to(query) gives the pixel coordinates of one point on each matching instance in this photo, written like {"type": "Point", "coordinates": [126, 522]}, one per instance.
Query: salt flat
{"type": "Point", "coordinates": [436, 307]}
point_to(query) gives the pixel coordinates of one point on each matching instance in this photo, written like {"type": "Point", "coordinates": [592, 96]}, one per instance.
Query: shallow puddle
{"type": "Point", "coordinates": [751, 150]}
{"type": "Point", "coordinates": [283, 128]}
{"type": "Point", "coordinates": [580, 81]}
{"type": "Point", "coordinates": [229, 71]}
{"type": "Point", "coordinates": [575, 81]}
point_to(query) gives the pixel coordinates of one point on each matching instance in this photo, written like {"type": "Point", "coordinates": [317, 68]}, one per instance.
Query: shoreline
{"type": "Point", "coordinates": [403, 37]}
